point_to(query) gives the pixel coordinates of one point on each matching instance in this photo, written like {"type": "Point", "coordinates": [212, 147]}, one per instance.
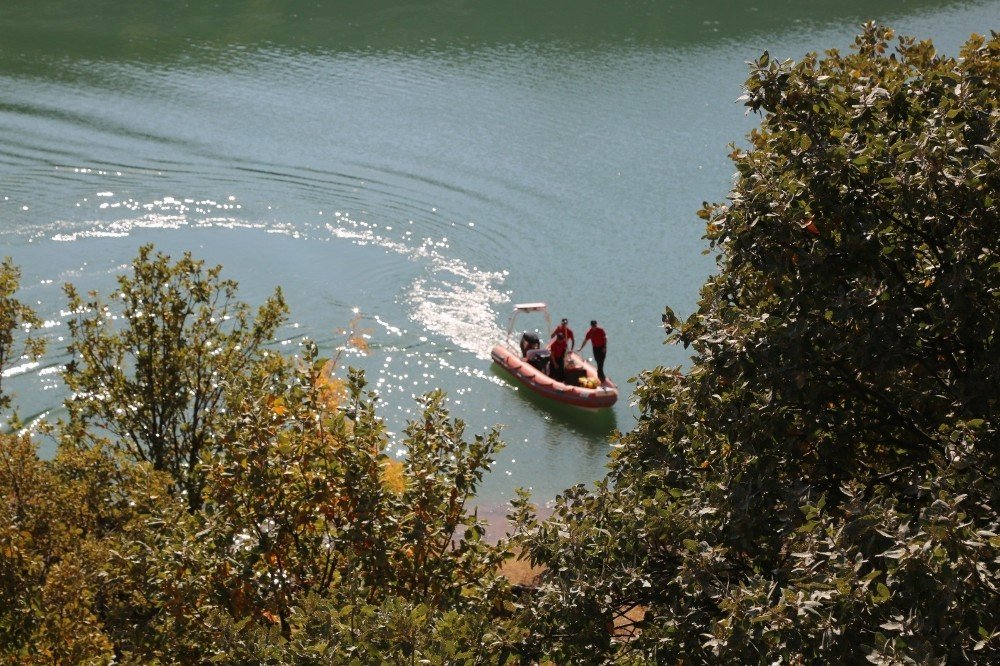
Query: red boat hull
{"type": "Point", "coordinates": [603, 396]}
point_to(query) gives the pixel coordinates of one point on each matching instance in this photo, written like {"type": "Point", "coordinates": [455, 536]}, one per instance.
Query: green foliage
{"type": "Point", "coordinates": [152, 370]}
{"type": "Point", "coordinates": [821, 484]}
{"type": "Point", "coordinates": [59, 521]}
{"type": "Point", "coordinates": [15, 316]}
{"type": "Point", "coordinates": [335, 630]}
{"type": "Point", "coordinates": [306, 548]}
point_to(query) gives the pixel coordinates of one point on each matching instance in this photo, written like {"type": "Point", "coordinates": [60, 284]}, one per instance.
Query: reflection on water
{"type": "Point", "coordinates": [115, 30]}
{"type": "Point", "coordinates": [421, 163]}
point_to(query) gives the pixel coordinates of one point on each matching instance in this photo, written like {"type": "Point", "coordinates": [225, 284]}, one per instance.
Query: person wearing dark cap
{"type": "Point", "coordinates": [567, 332]}
{"type": "Point", "coordinates": [599, 339]}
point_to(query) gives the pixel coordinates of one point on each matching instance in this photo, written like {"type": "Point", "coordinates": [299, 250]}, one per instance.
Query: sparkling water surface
{"type": "Point", "coordinates": [422, 164]}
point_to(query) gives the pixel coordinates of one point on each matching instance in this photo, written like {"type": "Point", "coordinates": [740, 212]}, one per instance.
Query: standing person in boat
{"type": "Point", "coordinates": [599, 339]}
{"type": "Point", "coordinates": [557, 349]}
{"type": "Point", "coordinates": [567, 332]}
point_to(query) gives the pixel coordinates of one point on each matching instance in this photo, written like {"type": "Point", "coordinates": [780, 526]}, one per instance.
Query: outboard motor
{"type": "Point", "coordinates": [539, 358]}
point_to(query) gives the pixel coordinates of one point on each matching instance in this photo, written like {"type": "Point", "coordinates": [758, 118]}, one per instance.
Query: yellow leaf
{"type": "Point", "coordinates": [393, 478]}
{"type": "Point", "coordinates": [278, 406]}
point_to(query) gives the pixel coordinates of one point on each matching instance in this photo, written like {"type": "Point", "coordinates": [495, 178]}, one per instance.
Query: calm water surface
{"type": "Point", "coordinates": [425, 164]}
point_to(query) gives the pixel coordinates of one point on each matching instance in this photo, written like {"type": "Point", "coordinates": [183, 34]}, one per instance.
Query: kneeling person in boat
{"type": "Point", "coordinates": [532, 352]}
{"type": "Point", "coordinates": [529, 341]}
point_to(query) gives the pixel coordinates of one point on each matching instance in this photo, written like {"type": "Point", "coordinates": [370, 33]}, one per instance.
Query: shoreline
{"type": "Point", "coordinates": [495, 515]}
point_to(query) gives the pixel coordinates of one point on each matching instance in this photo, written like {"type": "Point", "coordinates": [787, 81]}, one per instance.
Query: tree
{"type": "Point", "coordinates": [14, 316]}
{"type": "Point", "coordinates": [312, 543]}
{"type": "Point", "coordinates": [821, 484]}
{"type": "Point", "coordinates": [153, 372]}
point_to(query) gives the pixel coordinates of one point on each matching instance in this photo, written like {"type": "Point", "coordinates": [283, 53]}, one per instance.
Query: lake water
{"type": "Point", "coordinates": [425, 164]}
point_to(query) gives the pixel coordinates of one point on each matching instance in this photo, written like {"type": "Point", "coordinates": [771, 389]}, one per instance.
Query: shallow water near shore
{"type": "Point", "coordinates": [422, 164]}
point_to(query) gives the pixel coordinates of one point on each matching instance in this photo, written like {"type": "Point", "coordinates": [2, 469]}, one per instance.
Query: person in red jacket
{"type": "Point", "coordinates": [567, 332]}
{"type": "Point", "coordinates": [599, 339]}
{"type": "Point", "coordinates": [558, 356]}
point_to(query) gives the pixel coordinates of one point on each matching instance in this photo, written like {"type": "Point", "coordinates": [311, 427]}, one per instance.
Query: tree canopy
{"type": "Point", "coordinates": [158, 383]}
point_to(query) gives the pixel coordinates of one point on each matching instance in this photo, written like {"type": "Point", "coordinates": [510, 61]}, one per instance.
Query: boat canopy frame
{"type": "Point", "coordinates": [528, 308]}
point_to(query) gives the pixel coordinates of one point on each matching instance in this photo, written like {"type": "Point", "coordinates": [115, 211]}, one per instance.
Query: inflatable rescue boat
{"type": "Point", "coordinates": [530, 364]}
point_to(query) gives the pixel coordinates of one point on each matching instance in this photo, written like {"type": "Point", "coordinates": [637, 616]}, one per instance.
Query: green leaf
{"type": "Point", "coordinates": [807, 527]}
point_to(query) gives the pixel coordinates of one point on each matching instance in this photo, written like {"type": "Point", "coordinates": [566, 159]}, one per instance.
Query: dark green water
{"type": "Point", "coordinates": [423, 163]}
